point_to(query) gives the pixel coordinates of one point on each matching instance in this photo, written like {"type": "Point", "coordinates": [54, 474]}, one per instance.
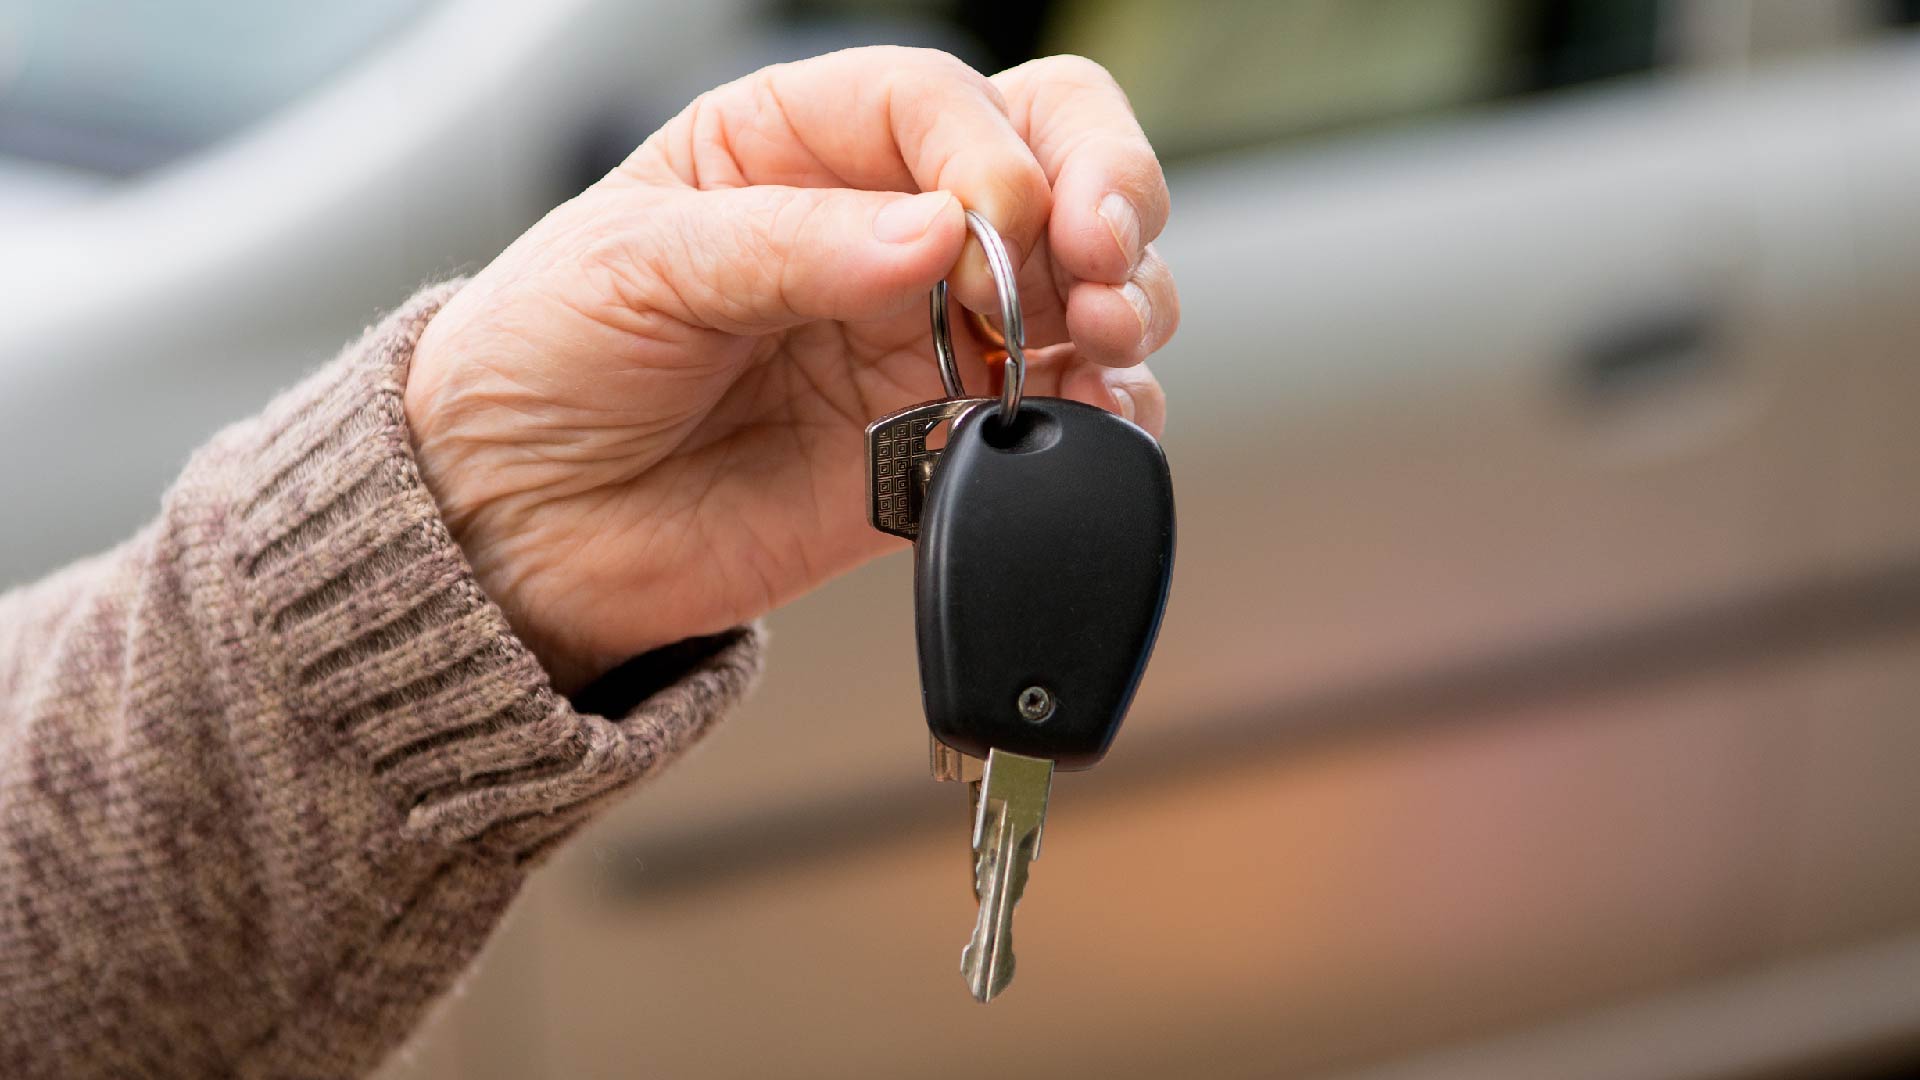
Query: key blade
{"type": "Point", "coordinates": [948, 764]}
{"type": "Point", "coordinates": [987, 961]}
{"type": "Point", "coordinates": [1006, 838]}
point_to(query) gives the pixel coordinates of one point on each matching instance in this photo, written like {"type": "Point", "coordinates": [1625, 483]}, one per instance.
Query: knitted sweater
{"type": "Point", "coordinates": [271, 770]}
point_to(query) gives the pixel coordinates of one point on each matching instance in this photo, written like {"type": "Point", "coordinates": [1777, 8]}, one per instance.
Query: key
{"type": "Point", "coordinates": [1040, 575]}
{"type": "Point", "coordinates": [1043, 549]}
{"type": "Point", "coordinates": [1041, 571]}
{"type": "Point", "coordinates": [899, 465]}
{"type": "Point", "coordinates": [1008, 813]}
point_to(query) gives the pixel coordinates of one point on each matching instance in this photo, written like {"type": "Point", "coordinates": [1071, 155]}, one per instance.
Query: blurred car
{"type": "Point", "coordinates": [1538, 692]}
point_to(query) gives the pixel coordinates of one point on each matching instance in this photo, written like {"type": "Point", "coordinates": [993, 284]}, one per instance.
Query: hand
{"type": "Point", "coordinates": [643, 420]}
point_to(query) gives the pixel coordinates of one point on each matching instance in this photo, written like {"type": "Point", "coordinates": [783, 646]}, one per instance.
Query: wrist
{"type": "Point", "coordinates": [453, 434]}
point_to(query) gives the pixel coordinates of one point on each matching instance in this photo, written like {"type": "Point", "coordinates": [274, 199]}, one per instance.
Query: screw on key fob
{"type": "Point", "coordinates": [1040, 575]}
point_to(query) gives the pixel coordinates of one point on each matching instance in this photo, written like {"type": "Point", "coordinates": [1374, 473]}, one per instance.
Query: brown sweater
{"type": "Point", "coordinates": [271, 770]}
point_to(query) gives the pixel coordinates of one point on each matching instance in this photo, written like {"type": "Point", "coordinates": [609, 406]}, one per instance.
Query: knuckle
{"type": "Point", "coordinates": [1129, 160]}
{"type": "Point", "coordinates": [1144, 387]}
{"type": "Point", "coordinates": [941, 62]}
{"type": "Point", "coordinates": [794, 225]}
{"type": "Point", "coordinates": [933, 73]}
{"type": "Point", "coordinates": [920, 61]}
{"type": "Point", "coordinates": [1029, 181]}
{"type": "Point", "coordinates": [1075, 70]}
{"type": "Point", "coordinates": [746, 261]}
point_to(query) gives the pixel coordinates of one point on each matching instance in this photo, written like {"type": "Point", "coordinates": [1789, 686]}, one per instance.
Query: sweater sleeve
{"type": "Point", "coordinates": [271, 770]}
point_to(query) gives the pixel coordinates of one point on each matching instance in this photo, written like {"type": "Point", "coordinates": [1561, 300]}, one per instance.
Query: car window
{"type": "Point", "coordinates": [163, 79]}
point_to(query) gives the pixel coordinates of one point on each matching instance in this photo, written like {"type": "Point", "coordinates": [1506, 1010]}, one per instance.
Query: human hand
{"type": "Point", "coordinates": [644, 420]}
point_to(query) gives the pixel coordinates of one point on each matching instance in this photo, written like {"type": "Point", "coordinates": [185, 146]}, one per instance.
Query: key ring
{"type": "Point", "coordinates": [1011, 340]}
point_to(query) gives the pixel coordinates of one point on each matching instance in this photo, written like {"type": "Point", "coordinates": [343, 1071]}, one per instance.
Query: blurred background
{"type": "Point", "coordinates": [1539, 693]}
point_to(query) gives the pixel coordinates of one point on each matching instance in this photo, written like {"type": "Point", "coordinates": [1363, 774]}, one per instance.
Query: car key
{"type": "Point", "coordinates": [1040, 575]}
{"type": "Point", "coordinates": [1044, 545]}
{"type": "Point", "coordinates": [899, 464]}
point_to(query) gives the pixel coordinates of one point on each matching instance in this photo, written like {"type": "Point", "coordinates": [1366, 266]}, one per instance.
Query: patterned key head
{"type": "Point", "coordinates": [899, 463]}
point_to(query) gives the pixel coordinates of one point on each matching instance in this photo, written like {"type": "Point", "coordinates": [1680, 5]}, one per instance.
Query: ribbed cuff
{"type": "Point", "coordinates": [366, 613]}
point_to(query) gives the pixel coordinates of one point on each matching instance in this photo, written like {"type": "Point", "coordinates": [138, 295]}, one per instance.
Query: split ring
{"type": "Point", "coordinates": [1013, 337]}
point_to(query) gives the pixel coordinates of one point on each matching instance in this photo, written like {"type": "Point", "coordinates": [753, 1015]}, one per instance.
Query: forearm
{"type": "Point", "coordinates": [271, 771]}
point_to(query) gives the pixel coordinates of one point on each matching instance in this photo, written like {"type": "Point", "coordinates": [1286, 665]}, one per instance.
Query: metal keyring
{"type": "Point", "coordinates": [1013, 337]}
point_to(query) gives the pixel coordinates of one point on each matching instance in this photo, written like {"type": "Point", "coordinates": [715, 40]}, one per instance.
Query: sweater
{"type": "Point", "coordinates": [272, 769]}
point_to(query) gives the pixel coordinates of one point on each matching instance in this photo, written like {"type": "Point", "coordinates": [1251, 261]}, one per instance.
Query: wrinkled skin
{"type": "Point", "coordinates": [644, 419]}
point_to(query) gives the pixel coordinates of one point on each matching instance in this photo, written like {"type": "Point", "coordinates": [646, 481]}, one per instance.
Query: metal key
{"type": "Point", "coordinates": [1008, 814]}
{"type": "Point", "coordinates": [1043, 549]}
{"type": "Point", "coordinates": [899, 465]}
{"type": "Point", "coordinates": [1040, 577]}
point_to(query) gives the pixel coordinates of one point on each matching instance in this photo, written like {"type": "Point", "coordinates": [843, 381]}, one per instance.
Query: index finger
{"type": "Point", "coordinates": [884, 118]}
{"type": "Point", "coordinates": [1109, 194]}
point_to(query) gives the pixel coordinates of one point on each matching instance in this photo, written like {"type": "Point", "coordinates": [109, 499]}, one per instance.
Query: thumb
{"type": "Point", "coordinates": [754, 259]}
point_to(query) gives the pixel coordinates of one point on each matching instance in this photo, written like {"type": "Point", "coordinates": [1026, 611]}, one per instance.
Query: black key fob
{"type": "Point", "coordinates": [1040, 575]}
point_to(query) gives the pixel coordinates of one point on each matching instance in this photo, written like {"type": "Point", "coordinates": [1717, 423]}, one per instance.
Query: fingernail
{"type": "Point", "coordinates": [1122, 402]}
{"type": "Point", "coordinates": [903, 221]}
{"type": "Point", "coordinates": [1142, 307]}
{"type": "Point", "coordinates": [1124, 223]}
